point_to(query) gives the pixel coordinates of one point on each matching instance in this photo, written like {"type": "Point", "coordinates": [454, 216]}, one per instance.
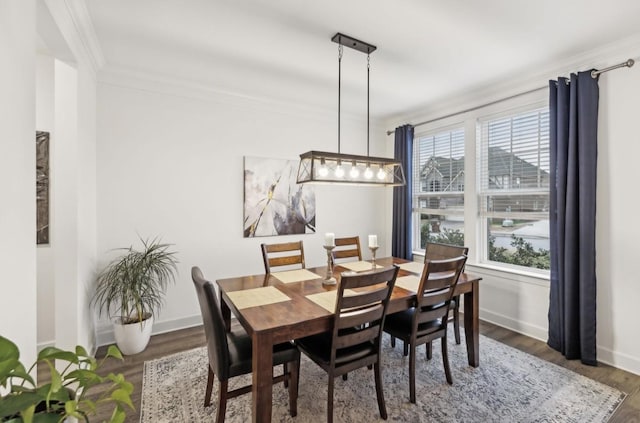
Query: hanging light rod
{"type": "Point", "coordinates": [338, 168]}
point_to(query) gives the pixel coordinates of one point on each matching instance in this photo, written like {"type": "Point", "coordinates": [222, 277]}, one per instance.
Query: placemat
{"type": "Point", "coordinates": [257, 296]}
{"type": "Point", "coordinates": [413, 267]}
{"type": "Point", "coordinates": [358, 266]}
{"type": "Point", "coordinates": [410, 283]}
{"type": "Point", "coordinates": [327, 300]}
{"type": "Point", "coordinates": [298, 275]}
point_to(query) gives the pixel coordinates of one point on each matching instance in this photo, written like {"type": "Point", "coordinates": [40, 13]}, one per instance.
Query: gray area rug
{"type": "Point", "coordinates": [509, 386]}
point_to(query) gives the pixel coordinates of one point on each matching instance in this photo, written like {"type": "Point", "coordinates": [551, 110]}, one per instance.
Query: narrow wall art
{"type": "Point", "coordinates": [42, 187]}
{"type": "Point", "coordinates": [273, 203]}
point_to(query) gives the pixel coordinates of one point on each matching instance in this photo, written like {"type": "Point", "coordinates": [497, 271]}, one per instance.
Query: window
{"type": "Point", "coordinates": [438, 188]}
{"type": "Point", "coordinates": [513, 188]}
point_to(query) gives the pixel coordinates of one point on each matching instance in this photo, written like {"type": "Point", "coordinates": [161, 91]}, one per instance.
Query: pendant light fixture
{"type": "Point", "coordinates": [327, 167]}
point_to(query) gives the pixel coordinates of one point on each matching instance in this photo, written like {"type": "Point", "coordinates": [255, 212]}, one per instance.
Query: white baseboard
{"type": "Point", "coordinates": [618, 360]}
{"type": "Point", "coordinates": [605, 355]}
{"type": "Point", "coordinates": [105, 334]}
{"type": "Point", "coordinates": [42, 345]}
{"type": "Point", "coordinates": [515, 325]}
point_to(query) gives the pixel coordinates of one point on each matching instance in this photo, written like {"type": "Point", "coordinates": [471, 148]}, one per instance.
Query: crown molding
{"type": "Point", "coordinates": [74, 22]}
{"type": "Point", "coordinates": [174, 86]}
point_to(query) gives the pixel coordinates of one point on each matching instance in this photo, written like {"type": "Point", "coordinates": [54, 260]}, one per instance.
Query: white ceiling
{"type": "Point", "coordinates": [282, 49]}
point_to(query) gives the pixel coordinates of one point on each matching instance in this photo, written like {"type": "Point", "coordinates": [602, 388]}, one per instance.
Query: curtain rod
{"type": "Point", "coordinates": [594, 74]}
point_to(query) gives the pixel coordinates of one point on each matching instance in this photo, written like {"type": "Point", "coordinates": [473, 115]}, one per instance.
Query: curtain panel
{"type": "Point", "coordinates": [573, 109]}
{"type": "Point", "coordinates": [401, 245]}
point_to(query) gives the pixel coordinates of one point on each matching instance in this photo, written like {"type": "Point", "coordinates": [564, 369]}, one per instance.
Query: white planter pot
{"type": "Point", "coordinates": [134, 337]}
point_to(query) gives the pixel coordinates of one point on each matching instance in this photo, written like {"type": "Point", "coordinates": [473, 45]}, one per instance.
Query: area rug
{"type": "Point", "coordinates": [509, 386]}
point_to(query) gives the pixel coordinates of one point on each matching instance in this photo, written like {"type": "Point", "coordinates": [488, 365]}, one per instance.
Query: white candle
{"type": "Point", "coordinates": [373, 241]}
{"type": "Point", "coordinates": [330, 239]}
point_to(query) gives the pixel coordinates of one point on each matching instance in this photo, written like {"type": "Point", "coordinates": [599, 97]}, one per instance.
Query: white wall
{"type": "Point", "coordinates": [45, 122]}
{"type": "Point", "coordinates": [66, 104]}
{"type": "Point", "coordinates": [170, 163]}
{"type": "Point", "coordinates": [17, 173]}
{"type": "Point", "coordinates": [521, 302]}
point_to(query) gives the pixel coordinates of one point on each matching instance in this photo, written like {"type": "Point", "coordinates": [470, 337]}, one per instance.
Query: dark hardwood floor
{"type": "Point", "coordinates": [185, 339]}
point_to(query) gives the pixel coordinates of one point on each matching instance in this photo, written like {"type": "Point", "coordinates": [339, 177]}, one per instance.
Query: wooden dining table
{"type": "Point", "coordinates": [298, 317]}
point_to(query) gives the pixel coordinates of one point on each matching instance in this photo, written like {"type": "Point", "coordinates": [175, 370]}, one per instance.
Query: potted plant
{"type": "Point", "coordinates": [64, 397]}
{"type": "Point", "coordinates": [131, 290]}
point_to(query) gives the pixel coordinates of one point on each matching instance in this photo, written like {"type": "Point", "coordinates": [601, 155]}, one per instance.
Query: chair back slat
{"type": "Point", "coordinates": [437, 251]}
{"type": "Point", "coordinates": [368, 297]}
{"type": "Point", "coordinates": [433, 298]}
{"type": "Point", "coordinates": [347, 247]}
{"type": "Point", "coordinates": [432, 314]}
{"type": "Point", "coordinates": [283, 254]}
{"type": "Point", "coordinates": [359, 317]}
{"type": "Point", "coordinates": [369, 333]}
{"type": "Point", "coordinates": [214, 328]}
{"type": "Point", "coordinates": [437, 285]}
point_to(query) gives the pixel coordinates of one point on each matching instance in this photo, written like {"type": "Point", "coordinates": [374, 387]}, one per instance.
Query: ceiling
{"type": "Point", "coordinates": [281, 49]}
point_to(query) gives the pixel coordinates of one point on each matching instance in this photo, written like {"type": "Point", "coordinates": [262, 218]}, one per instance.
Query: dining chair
{"type": "Point", "coordinates": [230, 352]}
{"type": "Point", "coordinates": [428, 319]}
{"type": "Point", "coordinates": [347, 248]}
{"type": "Point", "coordinates": [438, 251]}
{"type": "Point", "coordinates": [283, 254]}
{"type": "Point", "coordinates": [355, 338]}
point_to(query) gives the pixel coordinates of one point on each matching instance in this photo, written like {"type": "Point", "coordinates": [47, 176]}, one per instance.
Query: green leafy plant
{"type": "Point", "coordinates": [133, 285]}
{"type": "Point", "coordinates": [65, 394]}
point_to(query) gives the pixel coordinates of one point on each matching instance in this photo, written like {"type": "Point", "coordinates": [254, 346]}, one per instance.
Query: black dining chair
{"type": "Point", "coordinates": [230, 352]}
{"type": "Point", "coordinates": [428, 319]}
{"type": "Point", "coordinates": [355, 338]}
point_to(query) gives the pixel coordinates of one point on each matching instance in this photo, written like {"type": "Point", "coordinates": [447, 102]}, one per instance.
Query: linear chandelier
{"type": "Point", "coordinates": [332, 168]}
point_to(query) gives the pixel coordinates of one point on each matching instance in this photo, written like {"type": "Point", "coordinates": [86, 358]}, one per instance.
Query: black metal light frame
{"type": "Point", "coordinates": [322, 167]}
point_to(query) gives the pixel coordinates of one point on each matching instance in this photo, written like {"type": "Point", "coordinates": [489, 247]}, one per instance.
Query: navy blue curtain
{"type": "Point", "coordinates": [401, 232]}
{"type": "Point", "coordinates": [573, 109]}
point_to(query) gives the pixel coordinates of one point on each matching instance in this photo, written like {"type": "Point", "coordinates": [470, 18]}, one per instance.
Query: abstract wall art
{"type": "Point", "coordinates": [273, 203]}
{"type": "Point", "coordinates": [42, 187]}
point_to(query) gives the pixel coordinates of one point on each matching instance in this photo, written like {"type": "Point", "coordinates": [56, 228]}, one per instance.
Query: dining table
{"type": "Point", "coordinates": [283, 306]}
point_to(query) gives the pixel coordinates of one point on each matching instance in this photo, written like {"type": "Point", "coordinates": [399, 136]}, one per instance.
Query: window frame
{"type": "Point", "coordinates": [465, 113]}
{"type": "Point", "coordinates": [482, 218]}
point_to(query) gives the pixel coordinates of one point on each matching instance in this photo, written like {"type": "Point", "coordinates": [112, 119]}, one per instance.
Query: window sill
{"type": "Point", "coordinates": [487, 269]}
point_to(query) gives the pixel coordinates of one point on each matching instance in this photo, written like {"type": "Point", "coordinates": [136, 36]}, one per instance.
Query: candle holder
{"type": "Point", "coordinates": [329, 279]}
{"type": "Point", "coordinates": [373, 255]}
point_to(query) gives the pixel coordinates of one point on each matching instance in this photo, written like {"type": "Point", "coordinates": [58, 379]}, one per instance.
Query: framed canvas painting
{"type": "Point", "coordinates": [42, 187]}
{"type": "Point", "coordinates": [273, 203]}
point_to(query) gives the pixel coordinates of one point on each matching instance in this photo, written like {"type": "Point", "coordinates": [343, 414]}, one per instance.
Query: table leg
{"type": "Point", "coordinates": [226, 315]}
{"type": "Point", "coordinates": [472, 323]}
{"type": "Point", "coordinates": [262, 377]}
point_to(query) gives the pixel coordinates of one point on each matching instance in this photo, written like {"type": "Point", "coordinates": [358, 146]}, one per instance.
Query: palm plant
{"type": "Point", "coordinates": [133, 285]}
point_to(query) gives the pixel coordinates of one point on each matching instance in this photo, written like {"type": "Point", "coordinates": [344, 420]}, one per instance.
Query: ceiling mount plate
{"type": "Point", "coordinates": [351, 42]}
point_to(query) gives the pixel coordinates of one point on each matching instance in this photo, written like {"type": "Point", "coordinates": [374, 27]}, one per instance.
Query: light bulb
{"type": "Point", "coordinates": [381, 173]}
{"type": "Point", "coordinates": [354, 173]}
{"type": "Point", "coordinates": [368, 173]}
{"type": "Point", "coordinates": [323, 171]}
{"type": "Point", "coordinates": [339, 171]}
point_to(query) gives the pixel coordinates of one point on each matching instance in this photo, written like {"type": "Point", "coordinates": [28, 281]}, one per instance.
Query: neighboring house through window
{"type": "Point", "coordinates": [438, 191]}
